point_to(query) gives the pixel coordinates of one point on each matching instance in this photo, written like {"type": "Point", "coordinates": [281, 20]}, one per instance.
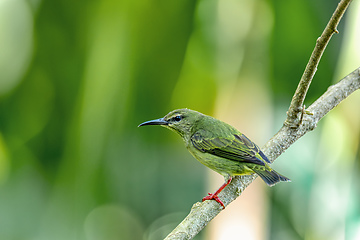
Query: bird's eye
{"type": "Point", "coordinates": [177, 118]}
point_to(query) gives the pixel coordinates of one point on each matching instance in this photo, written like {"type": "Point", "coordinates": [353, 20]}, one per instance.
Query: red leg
{"type": "Point", "coordinates": [215, 195]}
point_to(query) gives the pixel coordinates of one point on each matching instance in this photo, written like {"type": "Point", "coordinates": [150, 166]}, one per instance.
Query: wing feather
{"type": "Point", "coordinates": [238, 148]}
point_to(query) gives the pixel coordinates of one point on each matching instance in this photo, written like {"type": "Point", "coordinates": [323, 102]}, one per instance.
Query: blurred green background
{"type": "Point", "coordinates": [77, 77]}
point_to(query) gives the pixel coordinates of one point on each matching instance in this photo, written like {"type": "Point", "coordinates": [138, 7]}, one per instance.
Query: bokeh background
{"type": "Point", "coordinates": [77, 77]}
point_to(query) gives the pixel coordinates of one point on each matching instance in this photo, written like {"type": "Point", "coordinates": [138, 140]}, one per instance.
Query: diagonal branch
{"type": "Point", "coordinates": [203, 212]}
{"type": "Point", "coordinates": [305, 81]}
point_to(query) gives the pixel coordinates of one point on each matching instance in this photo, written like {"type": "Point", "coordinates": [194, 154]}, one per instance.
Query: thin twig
{"type": "Point", "coordinates": [297, 101]}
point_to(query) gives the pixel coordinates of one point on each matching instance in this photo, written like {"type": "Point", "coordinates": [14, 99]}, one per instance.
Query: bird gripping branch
{"type": "Point", "coordinates": [219, 146]}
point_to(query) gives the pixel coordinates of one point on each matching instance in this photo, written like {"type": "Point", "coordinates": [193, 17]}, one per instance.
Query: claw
{"type": "Point", "coordinates": [214, 197]}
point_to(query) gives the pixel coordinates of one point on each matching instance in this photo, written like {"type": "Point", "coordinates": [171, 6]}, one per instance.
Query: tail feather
{"type": "Point", "coordinates": [271, 177]}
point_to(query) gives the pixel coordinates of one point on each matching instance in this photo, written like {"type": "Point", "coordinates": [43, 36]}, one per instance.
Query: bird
{"type": "Point", "coordinates": [219, 146]}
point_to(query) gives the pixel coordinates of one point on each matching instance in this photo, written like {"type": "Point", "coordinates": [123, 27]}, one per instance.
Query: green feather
{"type": "Point", "coordinates": [218, 145]}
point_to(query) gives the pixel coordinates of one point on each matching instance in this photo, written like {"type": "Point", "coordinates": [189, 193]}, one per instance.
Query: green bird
{"type": "Point", "coordinates": [219, 146]}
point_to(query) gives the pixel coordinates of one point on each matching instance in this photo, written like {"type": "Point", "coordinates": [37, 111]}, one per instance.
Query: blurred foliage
{"type": "Point", "coordinates": [77, 77]}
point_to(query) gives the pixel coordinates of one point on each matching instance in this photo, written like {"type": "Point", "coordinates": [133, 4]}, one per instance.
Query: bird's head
{"type": "Point", "coordinates": [180, 121]}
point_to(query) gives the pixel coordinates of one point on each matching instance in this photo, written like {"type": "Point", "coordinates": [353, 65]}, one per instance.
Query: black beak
{"type": "Point", "coordinates": [159, 121]}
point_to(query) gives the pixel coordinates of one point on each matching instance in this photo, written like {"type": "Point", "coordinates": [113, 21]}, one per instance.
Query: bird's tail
{"type": "Point", "coordinates": [271, 177]}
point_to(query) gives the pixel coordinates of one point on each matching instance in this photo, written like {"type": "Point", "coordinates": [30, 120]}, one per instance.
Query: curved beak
{"type": "Point", "coordinates": [159, 121]}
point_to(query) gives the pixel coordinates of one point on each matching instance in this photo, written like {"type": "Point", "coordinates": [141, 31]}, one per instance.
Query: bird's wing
{"type": "Point", "coordinates": [238, 148]}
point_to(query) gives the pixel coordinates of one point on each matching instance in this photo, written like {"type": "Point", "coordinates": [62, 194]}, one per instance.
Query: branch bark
{"type": "Point", "coordinates": [203, 212]}
{"type": "Point", "coordinates": [293, 128]}
{"type": "Point", "coordinates": [305, 81]}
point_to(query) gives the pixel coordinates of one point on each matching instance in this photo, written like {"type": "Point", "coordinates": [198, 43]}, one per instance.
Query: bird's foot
{"type": "Point", "coordinates": [213, 196]}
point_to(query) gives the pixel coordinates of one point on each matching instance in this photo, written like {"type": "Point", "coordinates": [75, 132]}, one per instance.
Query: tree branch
{"type": "Point", "coordinates": [305, 81]}
{"type": "Point", "coordinates": [203, 212]}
